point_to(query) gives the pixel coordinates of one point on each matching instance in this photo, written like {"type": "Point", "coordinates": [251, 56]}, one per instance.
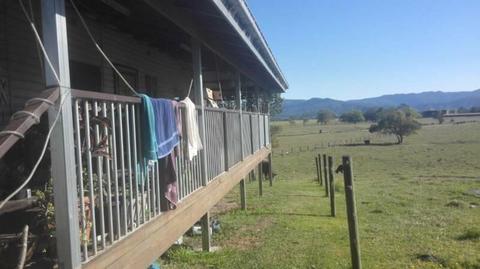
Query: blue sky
{"type": "Point", "coordinates": [349, 49]}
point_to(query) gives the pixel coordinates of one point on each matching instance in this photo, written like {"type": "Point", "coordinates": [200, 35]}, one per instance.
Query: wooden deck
{"type": "Point", "coordinates": [142, 247]}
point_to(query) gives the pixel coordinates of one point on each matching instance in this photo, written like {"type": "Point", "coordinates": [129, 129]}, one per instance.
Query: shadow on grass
{"type": "Point", "coordinates": [298, 214]}
{"type": "Point", "coordinates": [371, 144]}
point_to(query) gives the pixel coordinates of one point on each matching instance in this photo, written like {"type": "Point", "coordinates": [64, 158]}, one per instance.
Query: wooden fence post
{"type": "Point", "coordinates": [320, 168]}
{"type": "Point", "coordinates": [331, 179]}
{"type": "Point", "coordinates": [205, 220]}
{"type": "Point", "coordinates": [243, 195]}
{"type": "Point", "coordinates": [260, 180]}
{"type": "Point", "coordinates": [351, 212]}
{"type": "Point", "coordinates": [270, 173]}
{"type": "Point", "coordinates": [325, 174]}
{"type": "Point", "coordinates": [316, 165]}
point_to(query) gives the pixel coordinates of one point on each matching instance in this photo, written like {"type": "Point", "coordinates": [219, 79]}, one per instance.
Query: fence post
{"type": "Point", "coordinates": [316, 165]}
{"type": "Point", "coordinates": [351, 212]}
{"type": "Point", "coordinates": [243, 195]}
{"type": "Point", "coordinates": [331, 179]}
{"type": "Point", "coordinates": [260, 180]}
{"type": "Point", "coordinates": [206, 236]}
{"type": "Point", "coordinates": [320, 168]}
{"type": "Point", "coordinates": [325, 174]}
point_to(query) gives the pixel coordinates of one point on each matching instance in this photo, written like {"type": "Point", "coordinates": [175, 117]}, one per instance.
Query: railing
{"type": "Point", "coordinates": [23, 120]}
{"type": "Point", "coordinates": [115, 198]}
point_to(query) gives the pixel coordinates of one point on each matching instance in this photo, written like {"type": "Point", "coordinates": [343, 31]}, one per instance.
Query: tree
{"type": "Point", "coordinates": [409, 111]}
{"type": "Point", "coordinates": [275, 102]}
{"type": "Point", "coordinates": [324, 116]}
{"type": "Point", "coordinates": [353, 116]}
{"type": "Point", "coordinates": [305, 121]}
{"type": "Point", "coordinates": [291, 120]}
{"type": "Point", "coordinates": [439, 116]}
{"type": "Point", "coordinates": [372, 114]}
{"type": "Point", "coordinates": [396, 122]}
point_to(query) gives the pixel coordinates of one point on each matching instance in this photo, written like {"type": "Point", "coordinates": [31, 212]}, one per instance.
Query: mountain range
{"type": "Point", "coordinates": [431, 100]}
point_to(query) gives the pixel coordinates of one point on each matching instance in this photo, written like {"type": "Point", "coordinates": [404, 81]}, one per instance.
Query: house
{"type": "Point", "coordinates": [108, 213]}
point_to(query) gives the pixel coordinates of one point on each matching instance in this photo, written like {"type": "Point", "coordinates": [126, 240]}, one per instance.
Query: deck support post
{"type": "Point", "coordinates": [270, 173]}
{"type": "Point", "coordinates": [54, 31]}
{"type": "Point", "coordinates": [243, 195]}
{"type": "Point", "coordinates": [199, 100]}
{"type": "Point", "coordinates": [206, 235]}
{"type": "Point", "coordinates": [260, 180]}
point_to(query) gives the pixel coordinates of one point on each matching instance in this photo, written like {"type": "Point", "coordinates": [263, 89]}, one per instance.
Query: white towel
{"type": "Point", "coordinates": [192, 135]}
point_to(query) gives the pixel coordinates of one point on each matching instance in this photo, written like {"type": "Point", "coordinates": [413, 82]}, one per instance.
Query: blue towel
{"type": "Point", "coordinates": [149, 141]}
{"type": "Point", "coordinates": [166, 131]}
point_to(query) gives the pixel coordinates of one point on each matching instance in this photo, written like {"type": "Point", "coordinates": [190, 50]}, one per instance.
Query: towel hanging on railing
{"type": "Point", "coordinates": [192, 136]}
{"type": "Point", "coordinates": [161, 129]}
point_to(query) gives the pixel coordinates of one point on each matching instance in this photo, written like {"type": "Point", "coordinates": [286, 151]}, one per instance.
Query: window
{"type": "Point", "coordinates": [85, 76]}
{"type": "Point", "coordinates": [130, 74]}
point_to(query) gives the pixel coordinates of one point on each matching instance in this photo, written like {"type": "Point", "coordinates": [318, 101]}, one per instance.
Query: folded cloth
{"type": "Point", "coordinates": [147, 122]}
{"type": "Point", "coordinates": [192, 135]}
{"type": "Point", "coordinates": [166, 130]}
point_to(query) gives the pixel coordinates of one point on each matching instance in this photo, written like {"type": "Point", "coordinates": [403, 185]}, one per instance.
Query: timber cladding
{"type": "Point", "coordinates": [142, 247]}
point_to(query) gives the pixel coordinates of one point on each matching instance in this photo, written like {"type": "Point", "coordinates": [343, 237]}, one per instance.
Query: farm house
{"type": "Point", "coordinates": [91, 69]}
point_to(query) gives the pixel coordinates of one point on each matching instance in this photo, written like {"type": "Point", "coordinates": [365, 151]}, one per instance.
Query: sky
{"type": "Point", "coordinates": [351, 49]}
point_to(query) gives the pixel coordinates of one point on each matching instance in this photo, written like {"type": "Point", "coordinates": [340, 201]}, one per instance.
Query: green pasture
{"type": "Point", "coordinates": [418, 203]}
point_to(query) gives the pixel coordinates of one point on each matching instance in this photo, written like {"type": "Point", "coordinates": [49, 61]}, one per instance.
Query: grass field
{"type": "Point", "coordinates": [416, 204]}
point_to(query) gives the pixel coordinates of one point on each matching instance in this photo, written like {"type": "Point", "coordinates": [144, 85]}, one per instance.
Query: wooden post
{"type": "Point", "coordinates": [205, 220]}
{"type": "Point", "coordinates": [316, 165]}
{"type": "Point", "coordinates": [243, 195]}
{"type": "Point", "coordinates": [320, 168]}
{"type": "Point", "coordinates": [325, 174]}
{"type": "Point", "coordinates": [270, 173]}
{"type": "Point", "coordinates": [331, 179]}
{"type": "Point", "coordinates": [351, 212]}
{"type": "Point", "coordinates": [198, 89]}
{"type": "Point", "coordinates": [54, 31]}
{"type": "Point", "coordinates": [260, 180]}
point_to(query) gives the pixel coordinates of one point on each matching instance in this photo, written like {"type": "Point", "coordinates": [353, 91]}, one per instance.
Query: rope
{"type": "Point", "coordinates": [85, 26]}
{"type": "Point", "coordinates": [20, 113]}
{"type": "Point", "coordinates": [44, 149]}
{"type": "Point", "coordinates": [54, 123]}
{"type": "Point", "coordinates": [39, 40]}
{"type": "Point", "coordinates": [190, 88]}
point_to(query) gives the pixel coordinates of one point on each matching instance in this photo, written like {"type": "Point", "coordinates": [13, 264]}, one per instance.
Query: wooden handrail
{"type": "Point", "coordinates": [20, 125]}
{"type": "Point", "coordinates": [105, 96]}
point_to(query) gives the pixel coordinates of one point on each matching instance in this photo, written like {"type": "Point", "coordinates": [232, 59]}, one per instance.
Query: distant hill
{"type": "Point", "coordinates": [420, 101]}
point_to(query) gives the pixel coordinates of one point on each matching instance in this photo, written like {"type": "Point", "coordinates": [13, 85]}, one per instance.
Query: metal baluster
{"type": "Point", "coordinates": [149, 203]}
{"type": "Point", "coordinates": [135, 162]}
{"type": "Point", "coordinates": [115, 170]}
{"type": "Point", "coordinates": [100, 177]}
{"type": "Point", "coordinates": [157, 179]}
{"type": "Point", "coordinates": [122, 165]}
{"type": "Point", "coordinates": [154, 190]}
{"type": "Point", "coordinates": [109, 178]}
{"type": "Point", "coordinates": [129, 158]}
{"type": "Point", "coordinates": [83, 219]}
{"type": "Point", "coordinates": [90, 175]}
